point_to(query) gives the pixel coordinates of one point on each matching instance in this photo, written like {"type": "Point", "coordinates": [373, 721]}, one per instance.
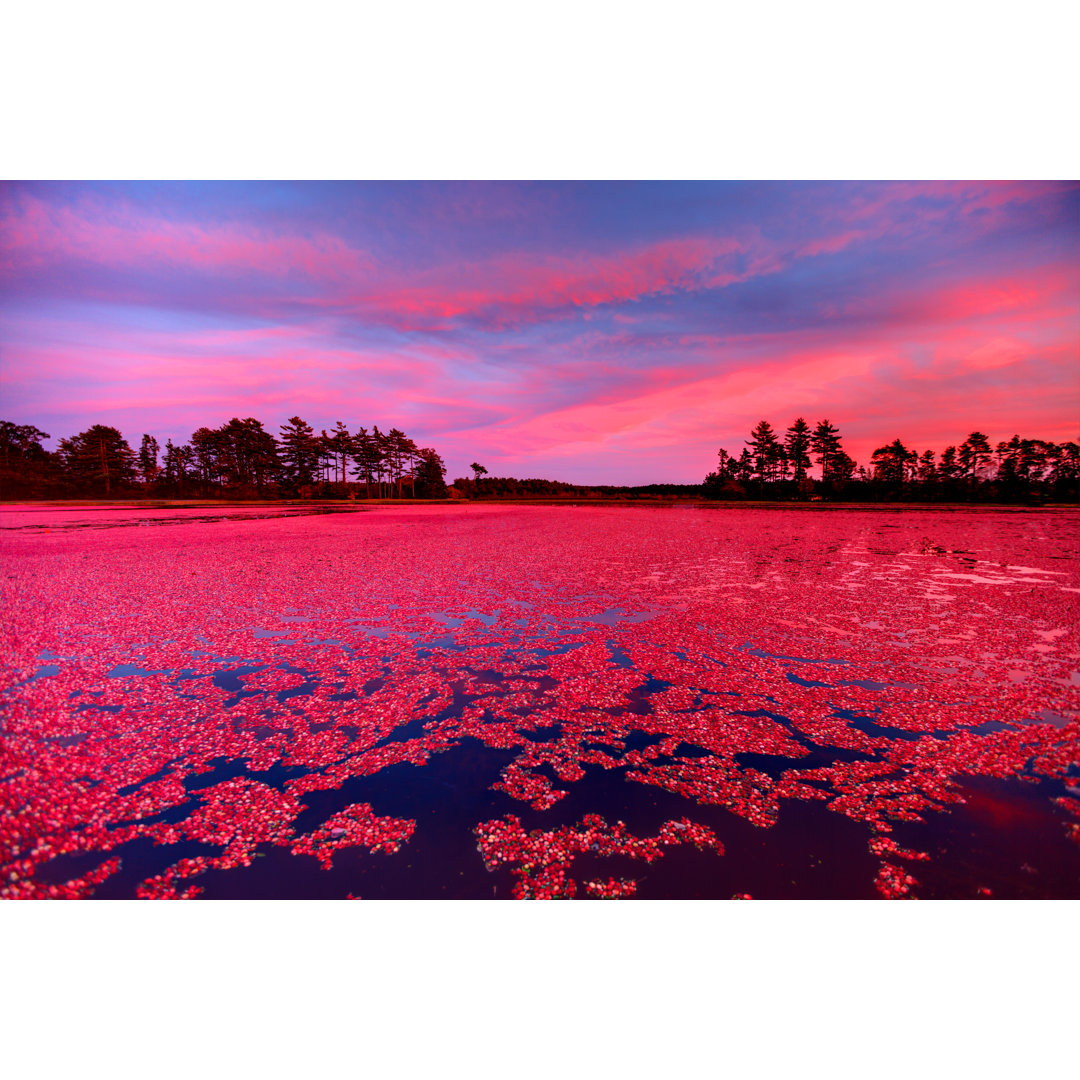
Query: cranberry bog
{"type": "Point", "coordinates": [534, 701]}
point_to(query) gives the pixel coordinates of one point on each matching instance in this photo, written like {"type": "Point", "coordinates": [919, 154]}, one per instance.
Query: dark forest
{"type": "Point", "coordinates": [243, 460]}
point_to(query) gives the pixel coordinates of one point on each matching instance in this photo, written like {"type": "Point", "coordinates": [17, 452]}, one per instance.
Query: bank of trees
{"type": "Point", "coordinates": [510, 487]}
{"type": "Point", "coordinates": [240, 459]}
{"type": "Point", "coordinates": [481, 486]}
{"type": "Point", "coordinates": [1014, 470]}
{"type": "Point", "coordinates": [774, 465]}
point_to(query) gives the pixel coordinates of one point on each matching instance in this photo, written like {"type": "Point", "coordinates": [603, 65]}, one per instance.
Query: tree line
{"type": "Point", "coordinates": [510, 487]}
{"type": "Point", "coordinates": [240, 459]}
{"type": "Point", "coordinates": [777, 465]}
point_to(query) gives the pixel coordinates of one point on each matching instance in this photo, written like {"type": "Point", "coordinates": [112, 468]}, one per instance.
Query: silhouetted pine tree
{"type": "Point", "coordinates": [797, 443]}
{"type": "Point", "coordinates": [763, 446]}
{"type": "Point", "coordinates": [891, 463]}
{"type": "Point", "coordinates": [974, 453]}
{"type": "Point", "coordinates": [98, 459]}
{"type": "Point", "coordinates": [430, 475]}
{"type": "Point", "coordinates": [825, 442]}
{"type": "Point", "coordinates": [148, 459]}
{"type": "Point", "coordinates": [299, 452]}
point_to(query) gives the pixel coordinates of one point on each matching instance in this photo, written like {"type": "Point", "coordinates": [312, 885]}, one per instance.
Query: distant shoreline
{"type": "Point", "coordinates": [641, 501]}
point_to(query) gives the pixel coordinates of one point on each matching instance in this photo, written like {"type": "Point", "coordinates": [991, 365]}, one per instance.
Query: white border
{"type": "Point", "coordinates": [779, 89]}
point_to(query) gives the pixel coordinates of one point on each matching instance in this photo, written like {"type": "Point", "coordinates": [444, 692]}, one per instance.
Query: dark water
{"type": "Point", "coordinates": [1007, 839]}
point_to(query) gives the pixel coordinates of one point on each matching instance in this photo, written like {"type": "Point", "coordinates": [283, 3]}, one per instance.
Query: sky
{"type": "Point", "coordinates": [586, 332]}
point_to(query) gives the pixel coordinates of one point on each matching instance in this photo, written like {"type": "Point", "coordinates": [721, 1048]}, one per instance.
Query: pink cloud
{"type": "Point", "coordinates": [36, 234]}
{"type": "Point", "coordinates": [508, 290]}
{"type": "Point", "coordinates": [909, 208]}
{"type": "Point", "coordinates": [517, 289]}
{"type": "Point", "coordinates": [830, 245]}
{"type": "Point", "coordinates": [1023, 295]}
